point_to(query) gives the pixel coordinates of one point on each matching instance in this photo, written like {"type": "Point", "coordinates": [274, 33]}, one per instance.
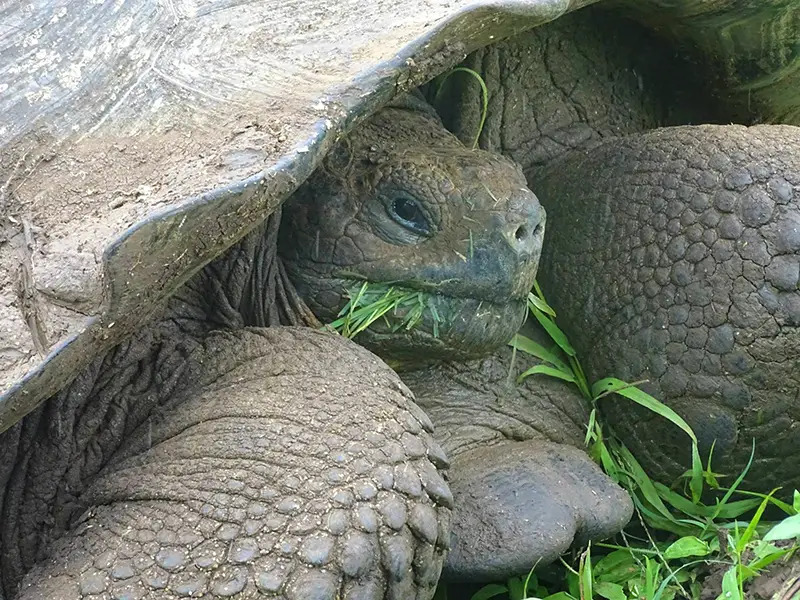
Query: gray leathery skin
{"type": "Point", "coordinates": [674, 256]}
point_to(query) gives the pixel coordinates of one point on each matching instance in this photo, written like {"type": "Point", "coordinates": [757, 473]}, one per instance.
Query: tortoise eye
{"type": "Point", "coordinates": [407, 212]}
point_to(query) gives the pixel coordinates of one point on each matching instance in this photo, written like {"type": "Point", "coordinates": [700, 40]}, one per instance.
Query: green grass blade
{"type": "Point", "coordinates": [530, 578]}
{"type": "Point", "coordinates": [736, 483]}
{"type": "Point", "coordinates": [373, 302]}
{"type": "Point", "coordinates": [538, 291]}
{"type": "Point", "coordinates": [528, 346]}
{"type": "Point", "coordinates": [656, 521]}
{"type": "Point", "coordinates": [546, 370]}
{"type": "Point", "coordinates": [644, 483]}
{"type": "Point", "coordinates": [600, 453]}
{"type": "Point", "coordinates": [770, 558]}
{"type": "Point", "coordinates": [580, 378]}
{"type": "Point", "coordinates": [535, 302]}
{"type": "Point", "coordinates": [780, 504]}
{"type": "Point", "coordinates": [652, 569]}
{"type": "Point", "coordinates": [745, 538]}
{"type": "Point", "coordinates": [680, 502]}
{"type": "Point", "coordinates": [516, 589]}
{"type": "Point", "coordinates": [697, 477]}
{"type": "Point", "coordinates": [559, 337]}
{"type": "Point", "coordinates": [591, 428]}
{"type": "Point", "coordinates": [673, 575]}
{"type": "Point", "coordinates": [484, 96]}
{"type": "Point", "coordinates": [731, 510]}
{"type": "Point", "coordinates": [585, 574]}
{"type": "Point", "coordinates": [611, 385]}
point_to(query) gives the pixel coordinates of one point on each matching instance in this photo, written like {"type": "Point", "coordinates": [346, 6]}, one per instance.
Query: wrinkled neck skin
{"type": "Point", "coordinates": [246, 287]}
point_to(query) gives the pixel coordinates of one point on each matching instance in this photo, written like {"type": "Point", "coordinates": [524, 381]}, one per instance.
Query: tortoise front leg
{"type": "Point", "coordinates": [296, 465]}
{"type": "Point", "coordinates": [525, 490]}
{"type": "Point", "coordinates": [674, 257]}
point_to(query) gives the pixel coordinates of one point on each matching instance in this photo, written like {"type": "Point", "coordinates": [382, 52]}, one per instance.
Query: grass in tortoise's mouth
{"type": "Point", "coordinates": [400, 308]}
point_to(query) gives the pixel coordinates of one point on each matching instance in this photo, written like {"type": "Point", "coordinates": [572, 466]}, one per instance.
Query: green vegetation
{"type": "Point", "coordinates": [676, 538]}
{"type": "Point", "coordinates": [397, 307]}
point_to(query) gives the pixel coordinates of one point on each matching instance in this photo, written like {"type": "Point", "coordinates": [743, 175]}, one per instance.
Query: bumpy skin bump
{"type": "Point", "coordinates": [524, 488]}
{"type": "Point", "coordinates": [255, 481]}
{"type": "Point", "coordinates": [674, 256]}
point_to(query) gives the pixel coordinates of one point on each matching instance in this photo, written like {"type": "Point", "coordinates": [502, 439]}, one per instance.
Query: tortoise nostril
{"type": "Point", "coordinates": [538, 230]}
{"type": "Point", "coordinates": [521, 233]}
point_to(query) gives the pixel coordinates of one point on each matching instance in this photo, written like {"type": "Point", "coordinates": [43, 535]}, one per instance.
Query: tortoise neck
{"type": "Point", "coordinates": [246, 287]}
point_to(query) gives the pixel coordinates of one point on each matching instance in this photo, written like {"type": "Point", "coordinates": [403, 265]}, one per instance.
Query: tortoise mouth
{"type": "Point", "coordinates": [414, 327]}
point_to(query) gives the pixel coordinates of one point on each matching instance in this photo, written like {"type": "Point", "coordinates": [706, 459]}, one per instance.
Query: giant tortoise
{"type": "Point", "coordinates": [166, 436]}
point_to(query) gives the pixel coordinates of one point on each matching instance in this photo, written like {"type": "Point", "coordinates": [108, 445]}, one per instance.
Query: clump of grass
{"type": "Point", "coordinates": [679, 538]}
{"type": "Point", "coordinates": [371, 302]}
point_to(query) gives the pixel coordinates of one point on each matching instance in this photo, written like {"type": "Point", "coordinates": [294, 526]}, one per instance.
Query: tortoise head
{"type": "Point", "coordinates": [402, 203]}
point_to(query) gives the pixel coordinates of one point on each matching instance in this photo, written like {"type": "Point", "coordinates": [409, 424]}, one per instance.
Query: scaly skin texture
{"type": "Point", "coordinates": [680, 264]}
{"type": "Point", "coordinates": [255, 479]}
